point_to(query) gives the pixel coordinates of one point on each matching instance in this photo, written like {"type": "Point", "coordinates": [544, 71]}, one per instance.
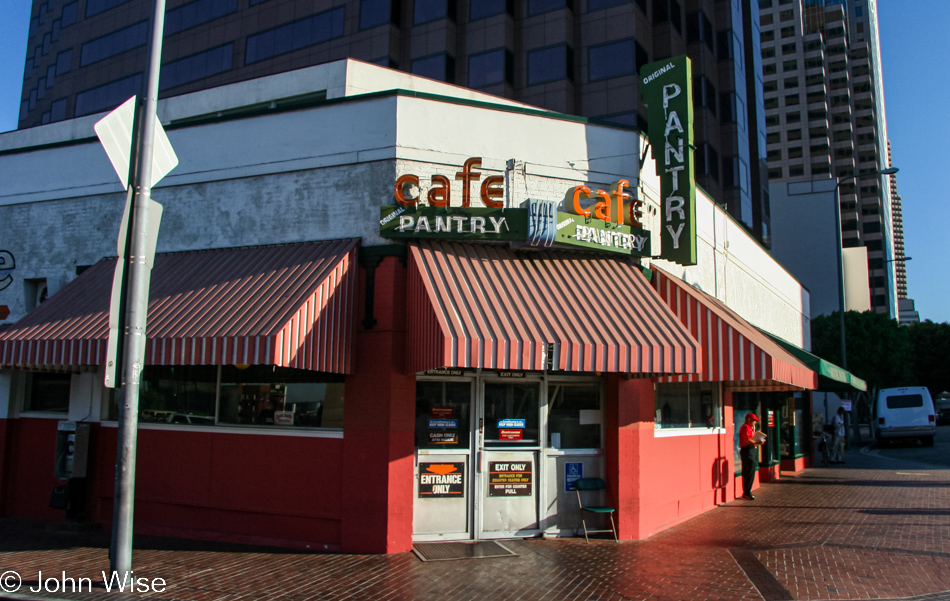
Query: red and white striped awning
{"type": "Point", "coordinates": [734, 351]}
{"type": "Point", "coordinates": [287, 305]}
{"type": "Point", "coordinates": [491, 307]}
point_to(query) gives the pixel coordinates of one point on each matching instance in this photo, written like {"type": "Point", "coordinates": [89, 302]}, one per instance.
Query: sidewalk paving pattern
{"type": "Point", "coordinates": [867, 530]}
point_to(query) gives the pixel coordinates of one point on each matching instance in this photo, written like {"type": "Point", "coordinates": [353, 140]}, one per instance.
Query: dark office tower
{"type": "Point", "coordinates": [824, 101]}
{"type": "Point", "coordinates": [579, 57]}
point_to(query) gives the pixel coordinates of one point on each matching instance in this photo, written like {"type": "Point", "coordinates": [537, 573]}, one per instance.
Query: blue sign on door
{"type": "Point", "coordinates": [572, 472]}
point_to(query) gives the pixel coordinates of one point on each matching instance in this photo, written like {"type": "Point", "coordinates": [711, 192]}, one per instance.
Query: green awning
{"type": "Point", "coordinates": [830, 376]}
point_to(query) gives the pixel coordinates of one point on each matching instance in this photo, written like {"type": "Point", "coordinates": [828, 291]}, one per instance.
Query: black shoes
{"type": "Point", "coordinates": [749, 497]}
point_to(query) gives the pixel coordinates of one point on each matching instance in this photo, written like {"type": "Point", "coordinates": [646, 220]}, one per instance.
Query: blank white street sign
{"type": "Point", "coordinates": [115, 134]}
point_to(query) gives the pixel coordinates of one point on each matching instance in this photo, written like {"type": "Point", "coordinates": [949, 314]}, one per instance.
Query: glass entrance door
{"type": "Point", "coordinates": [478, 444]}
{"type": "Point", "coordinates": [509, 443]}
{"type": "Point", "coordinates": [444, 480]}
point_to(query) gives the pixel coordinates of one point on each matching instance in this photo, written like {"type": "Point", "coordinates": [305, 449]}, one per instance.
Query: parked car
{"type": "Point", "coordinates": [942, 406]}
{"type": "Point", "coordinates": [904, 413]}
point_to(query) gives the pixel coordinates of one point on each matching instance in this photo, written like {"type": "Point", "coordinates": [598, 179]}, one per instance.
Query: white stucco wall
{"type": "Point", "coordinates": [323, 172]}
{"type": "Point", "coordinates": [736, 269]}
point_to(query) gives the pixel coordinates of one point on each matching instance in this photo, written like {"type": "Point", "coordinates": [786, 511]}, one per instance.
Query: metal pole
{"type": "Point", "coordinates": [136, 309]}
{"type": "Point", "coordinates": [844, 350]}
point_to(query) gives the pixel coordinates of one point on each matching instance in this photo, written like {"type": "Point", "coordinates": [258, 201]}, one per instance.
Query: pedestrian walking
{"type": "Point", "coordinates": [837, 445]}
{"type": "Point", "coordinates": [749, 443]}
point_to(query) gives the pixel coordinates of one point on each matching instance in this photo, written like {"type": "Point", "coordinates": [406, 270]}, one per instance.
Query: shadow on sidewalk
{"type": "Point", "coordinates": [35, 535]}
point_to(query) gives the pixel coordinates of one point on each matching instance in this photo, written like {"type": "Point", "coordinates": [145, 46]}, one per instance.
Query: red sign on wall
{"type": "Point", "coordinates": [505, 434]}
{"type": "Point", "coordinates": [771, 418]}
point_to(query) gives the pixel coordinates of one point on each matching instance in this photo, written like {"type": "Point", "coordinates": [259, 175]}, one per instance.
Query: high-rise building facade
{"type": "Point", "coordinates": [579, 57]}
{"type": "Point", "coordinates": [824, 103]}
{"type": "Point", "coordinates": [897, 213]}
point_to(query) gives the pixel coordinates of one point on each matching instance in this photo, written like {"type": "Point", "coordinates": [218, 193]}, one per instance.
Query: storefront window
{"type": "Point", "coordinates": [688, 405]}
{"type": "Point", "coordinates": [259, 395]}
{"type": "Point", "coordinates": [47, 392]}
{"type": "Point", "coordinates": [255, 395]}
{"type": "Point", "coordinates": [178, 395]}
{"type": "Point", "coordinates": [512, 414]}
{"type": "Point", "coordinates": [443, 415]}
{"type": "Point", "coordinates": [574, 416]}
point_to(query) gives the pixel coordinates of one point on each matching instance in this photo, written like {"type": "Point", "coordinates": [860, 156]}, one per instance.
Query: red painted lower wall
{"type": "Point", "coordinates": [685, 476]}
{"type": "Point", "coordinates": [4, 458]}
{"type": "Point", "coordinates": [657, 482]}
{"type": "Point", "coordinates": [29, 449]}
{"type": "Point", "coordinates": [253, 488]}
{"type": "Point", "coordinates": [795, 465]}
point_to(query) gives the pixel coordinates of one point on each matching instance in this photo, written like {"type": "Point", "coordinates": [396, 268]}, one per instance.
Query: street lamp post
{"type": "Point", "coordinates": [857, 176]}
{"type": "Point", "coordinates": [841, 306]}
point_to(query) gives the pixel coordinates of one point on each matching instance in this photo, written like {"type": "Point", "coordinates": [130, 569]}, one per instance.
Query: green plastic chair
{"type": "Point", "coordinates": [593, 485]}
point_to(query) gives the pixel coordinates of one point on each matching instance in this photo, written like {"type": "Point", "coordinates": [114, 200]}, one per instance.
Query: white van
{"type": "Point", "coordinates": [903, 413]}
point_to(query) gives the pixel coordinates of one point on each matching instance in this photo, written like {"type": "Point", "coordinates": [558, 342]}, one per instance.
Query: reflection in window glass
{"type": "Point", "coordinates": [64, 62]}
{"type": "Point", "coordinates": [47, 392]}
{"type": "Point", "coordinates": [116, 42]}
{"type": "Point", "coordinates": [539, 7]}
{"type": "Point", "coordinates": [574, 416]}
{"type": "Point", "coordinates": [905, 401]}
{"type": "Point", "coordinates": [57, 110]}
{"type": "Point", "coordinates": [261, 396]}
{"type": "Point", "coordinates": [489, 8]}
{"type": "Point", "coordinates": [440, 67]}
{"type": "Point", "coordinates": [294, 36]}
{"type": "Point", "coordinates": [196, 13]}
{"type": "Point", "coordinates": [197, 66]}
{"type": "Point", "coordinates": [489, 68]}
{"type": "Point", "coordinates": [511, 414]}
{"type": "Point", "coordinates": [612, 60]}
{"type": "Point", "coordinates": [593, 5]}
{"type": "Point", "coordinates": [94, 7]}
{"type": "Point", "coordinates": [433, 10]}
{"type": "Point", "coordinates": [107, 96]}
{"type": "Point", "coordinates": [374, 13]}
{"type": "Point", "coordinates": [443, 415]}
{"type": "Point", "coordinates": [550, 64]}
{"type": "Point", "coordinates": [256, 395]}
{"type": "Point", "coordinates": [178, 394]}
{"type": "Point", "coordinates": [70, 12]}
{"type": "Point", "coordinates": [688, 405]}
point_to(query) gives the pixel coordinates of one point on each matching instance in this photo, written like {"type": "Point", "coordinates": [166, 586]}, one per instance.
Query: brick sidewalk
{"type": "Point", "coordinates": [868, 530]}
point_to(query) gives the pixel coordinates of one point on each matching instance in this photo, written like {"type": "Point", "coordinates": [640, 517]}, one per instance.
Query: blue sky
{"type": "Point", "coordinates": [916, 90]}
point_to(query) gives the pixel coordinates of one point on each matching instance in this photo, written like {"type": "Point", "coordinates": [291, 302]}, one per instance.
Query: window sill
{"type": "Point", "coordinates": [252, 430]}
{"type": "Point", "coordinates": [673, 432]}
{"type": "Point", "coordinates": [570, 452]}
{"type": "Point", "coordinates": [44, 415]}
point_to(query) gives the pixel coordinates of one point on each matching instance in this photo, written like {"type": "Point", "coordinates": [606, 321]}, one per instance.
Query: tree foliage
{"type": "Point", "coordinates": [931, 347]}
{"type": "Point", "coordinates": [884, 354]}
{"type": "Point", "coordinates": [879, 351]}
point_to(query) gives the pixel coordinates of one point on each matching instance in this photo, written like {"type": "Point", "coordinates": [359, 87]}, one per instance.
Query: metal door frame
{"type": "Point", "coordinates": [471, 477]}
{"type": "Point", "coordinates": [540, 379]}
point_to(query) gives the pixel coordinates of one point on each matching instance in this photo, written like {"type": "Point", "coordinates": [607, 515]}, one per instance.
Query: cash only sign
{"type": "Point", "coordinates": [596, 219]}
{"type": "Point", "coordinates": [667, 92]}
